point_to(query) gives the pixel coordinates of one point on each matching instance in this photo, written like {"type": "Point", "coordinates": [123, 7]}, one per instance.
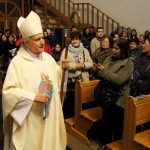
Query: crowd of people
{"type": "Point", "coordinates": [121, 61]}
{"type": "Point", "coordinates": [10, 43]}
{"type": "Point", "coordinates": [92, 40]}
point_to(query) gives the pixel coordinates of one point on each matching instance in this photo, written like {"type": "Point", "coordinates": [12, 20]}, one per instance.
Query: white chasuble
{"type": "Point", "coordinates": [24, 125]}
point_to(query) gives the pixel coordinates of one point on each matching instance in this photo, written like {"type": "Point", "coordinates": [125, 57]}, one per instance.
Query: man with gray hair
{"type": "Point", "coordinates": [32, 112]}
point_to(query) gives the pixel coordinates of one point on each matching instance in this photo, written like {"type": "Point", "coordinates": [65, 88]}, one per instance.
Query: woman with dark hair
{"type": "Point", "coordinates": [142, 67]}
{"type": "Point", "coordinates": [3, 44]}
{"type": "Point", "coordinates": [86, 39]}
{"type": "Point", "coordinates": [79, 63]}
{"type": "Point", "coordinates": [57, 53]}
{"type": "Point", "coordinates": [133, 34]}
{"type": "Point", "coordinates": [3, 50]}
{"type": "Point", "coordinates": [124, 34]}
{"type": "Point", "coordinates": [115, 76]}
{"type": "Point", "coordinates": [101, 54]}
{"type": "Point", "coordinates": [128, 33]}
{"type": "Point", "coordinates": [10, 51]}
{"type": "Point", "coordinates": [146, 34]}
{"type": "Point", "coordinates": [113, 38]}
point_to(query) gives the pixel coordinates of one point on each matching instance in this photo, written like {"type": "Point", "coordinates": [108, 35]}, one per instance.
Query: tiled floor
{"type": "Point", "coordinates": [72, 142]}
{"type": "Point", "coordinates": [75, 144]}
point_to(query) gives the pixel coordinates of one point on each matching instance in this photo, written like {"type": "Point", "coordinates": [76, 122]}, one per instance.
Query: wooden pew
{"type": "Point", "coordinates": [137, 112]}
{"type": "Point", "coordinates": [70, 123]}
{"type": "Point", "coordinates": [83, 119]}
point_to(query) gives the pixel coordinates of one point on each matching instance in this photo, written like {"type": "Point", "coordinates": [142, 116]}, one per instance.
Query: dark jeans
{"type": "Point", "coordinates": [110, 127]}
{"type": "Point", "coordinates": [69, 103]}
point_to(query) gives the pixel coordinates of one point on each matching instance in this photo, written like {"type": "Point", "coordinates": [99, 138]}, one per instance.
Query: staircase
{"type": "Point", "coordinates": [59, 12]}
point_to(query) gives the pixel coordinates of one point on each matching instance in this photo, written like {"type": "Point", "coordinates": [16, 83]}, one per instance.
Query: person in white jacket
{"type": "Point", "coordinates": [32, 111]}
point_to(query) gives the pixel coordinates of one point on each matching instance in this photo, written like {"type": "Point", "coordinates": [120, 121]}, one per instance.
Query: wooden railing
{"type": "Point", "coordinates": [93, 16]}
{"type": "Point", "coordinates": [89, 14]}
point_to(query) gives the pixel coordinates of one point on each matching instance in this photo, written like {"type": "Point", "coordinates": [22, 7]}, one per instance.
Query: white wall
{"type": "Point", "coordinates": [129, 13]}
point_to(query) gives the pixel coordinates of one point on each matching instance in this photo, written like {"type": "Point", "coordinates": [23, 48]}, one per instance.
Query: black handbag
{"type": "Point", "coordinates": [71, 81]}
{"type": "Point", "coordinates": [106, 94]}
{"type": "Point", "coordinates": [135, 84]}
{"type": "Point", "coordinates": [74, 79]}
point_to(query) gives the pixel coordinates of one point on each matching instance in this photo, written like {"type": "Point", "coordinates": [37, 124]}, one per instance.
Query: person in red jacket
{"type": "Point", "coordinates": [19, 41]}
{"type": "Point", "coordinates": [48, 49]}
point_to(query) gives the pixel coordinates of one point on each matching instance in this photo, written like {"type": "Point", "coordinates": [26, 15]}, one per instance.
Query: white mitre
{"type": "Point", "coordinates": [29, 26]}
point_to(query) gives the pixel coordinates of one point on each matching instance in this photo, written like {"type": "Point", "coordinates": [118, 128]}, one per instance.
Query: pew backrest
{"type": "Point", "coordinates": [137, 112]}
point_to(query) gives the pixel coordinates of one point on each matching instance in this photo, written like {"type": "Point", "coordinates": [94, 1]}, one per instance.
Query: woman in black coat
{"type": "Point", "coordinates": [142, 66]}
{"type": "Point", "coordinates": [112, 92]}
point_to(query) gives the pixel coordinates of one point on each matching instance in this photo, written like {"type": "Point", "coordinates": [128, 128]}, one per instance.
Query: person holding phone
{"type": "Point", "coordinates": [116, 70]}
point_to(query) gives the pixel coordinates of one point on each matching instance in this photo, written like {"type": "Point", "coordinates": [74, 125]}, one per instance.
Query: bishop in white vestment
{"type": "Point", "coordinates": [32, 111]}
